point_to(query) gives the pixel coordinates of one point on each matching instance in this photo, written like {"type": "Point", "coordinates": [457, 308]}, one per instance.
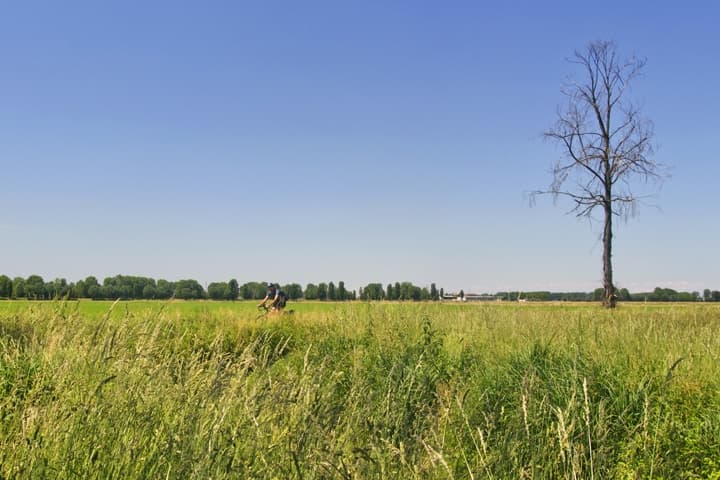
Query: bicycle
{"type": "Point", "coordinates": [267, 310]}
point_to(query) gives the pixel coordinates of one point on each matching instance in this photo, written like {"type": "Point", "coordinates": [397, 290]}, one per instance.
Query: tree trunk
{"type": "Point", "coordinates": [609, 297]}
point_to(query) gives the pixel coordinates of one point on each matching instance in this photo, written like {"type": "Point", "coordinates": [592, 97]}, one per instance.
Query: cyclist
{"type": "Point", "coordinates": [276, 297]}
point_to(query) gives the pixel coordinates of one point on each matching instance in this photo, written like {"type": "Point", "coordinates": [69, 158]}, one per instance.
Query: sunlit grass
{"type": "Point", "coordinates": [358, 390]}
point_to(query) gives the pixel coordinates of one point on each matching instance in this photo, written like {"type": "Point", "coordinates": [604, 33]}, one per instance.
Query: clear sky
{"type": "Point", "coordinates": [364, 141]}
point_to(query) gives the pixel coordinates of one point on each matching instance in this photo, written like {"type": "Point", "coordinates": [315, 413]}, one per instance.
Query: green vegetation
{"type": "Point", "coordinates": [358, 390]}
{"type": "Point", "coordinates": [127, 287]}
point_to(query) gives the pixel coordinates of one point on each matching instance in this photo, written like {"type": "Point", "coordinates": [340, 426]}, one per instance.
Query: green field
{"type": "Point", "coordinates": [138, 390]}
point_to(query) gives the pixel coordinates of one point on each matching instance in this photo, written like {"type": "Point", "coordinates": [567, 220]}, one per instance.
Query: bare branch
{"type": "Point", "coordinates": [606, 143]}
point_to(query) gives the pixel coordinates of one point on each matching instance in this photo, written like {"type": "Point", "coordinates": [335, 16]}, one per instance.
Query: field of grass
{"type": "Point", "coordinates": [138, 390]}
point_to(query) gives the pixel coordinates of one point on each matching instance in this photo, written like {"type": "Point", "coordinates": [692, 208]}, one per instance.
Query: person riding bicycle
{"type": "Point", "coordinates": [277, 297]}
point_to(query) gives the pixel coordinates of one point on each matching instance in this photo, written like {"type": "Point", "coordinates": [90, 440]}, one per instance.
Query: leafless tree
{"type": "Point", "coordinates": [605, 143]}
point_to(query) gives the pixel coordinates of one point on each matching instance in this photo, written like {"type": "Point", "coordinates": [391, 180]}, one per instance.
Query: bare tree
{"type": "Point", "coordinates": [605, 143]}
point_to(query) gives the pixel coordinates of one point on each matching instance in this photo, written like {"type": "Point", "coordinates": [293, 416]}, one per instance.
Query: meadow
{"type": "Point", "coordinates": [185, 390]}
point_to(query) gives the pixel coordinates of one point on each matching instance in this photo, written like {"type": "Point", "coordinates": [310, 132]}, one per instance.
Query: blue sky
{"type": "Point", "coordinates": [323, 141]}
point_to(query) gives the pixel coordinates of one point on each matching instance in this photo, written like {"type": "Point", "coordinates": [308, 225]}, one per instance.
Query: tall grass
{"type": "Point", "coordinates": [359, 391]}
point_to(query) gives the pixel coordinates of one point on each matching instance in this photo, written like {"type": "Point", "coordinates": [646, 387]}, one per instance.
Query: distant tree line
{"type": "Point", "coordinates": [128, 287]}
{"type": "Point", "coordinates": [398, 291]}
{"type": "Point", "coordinates": [657, 295]}
{"type": "Point", "coordinates": [124, 287]}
